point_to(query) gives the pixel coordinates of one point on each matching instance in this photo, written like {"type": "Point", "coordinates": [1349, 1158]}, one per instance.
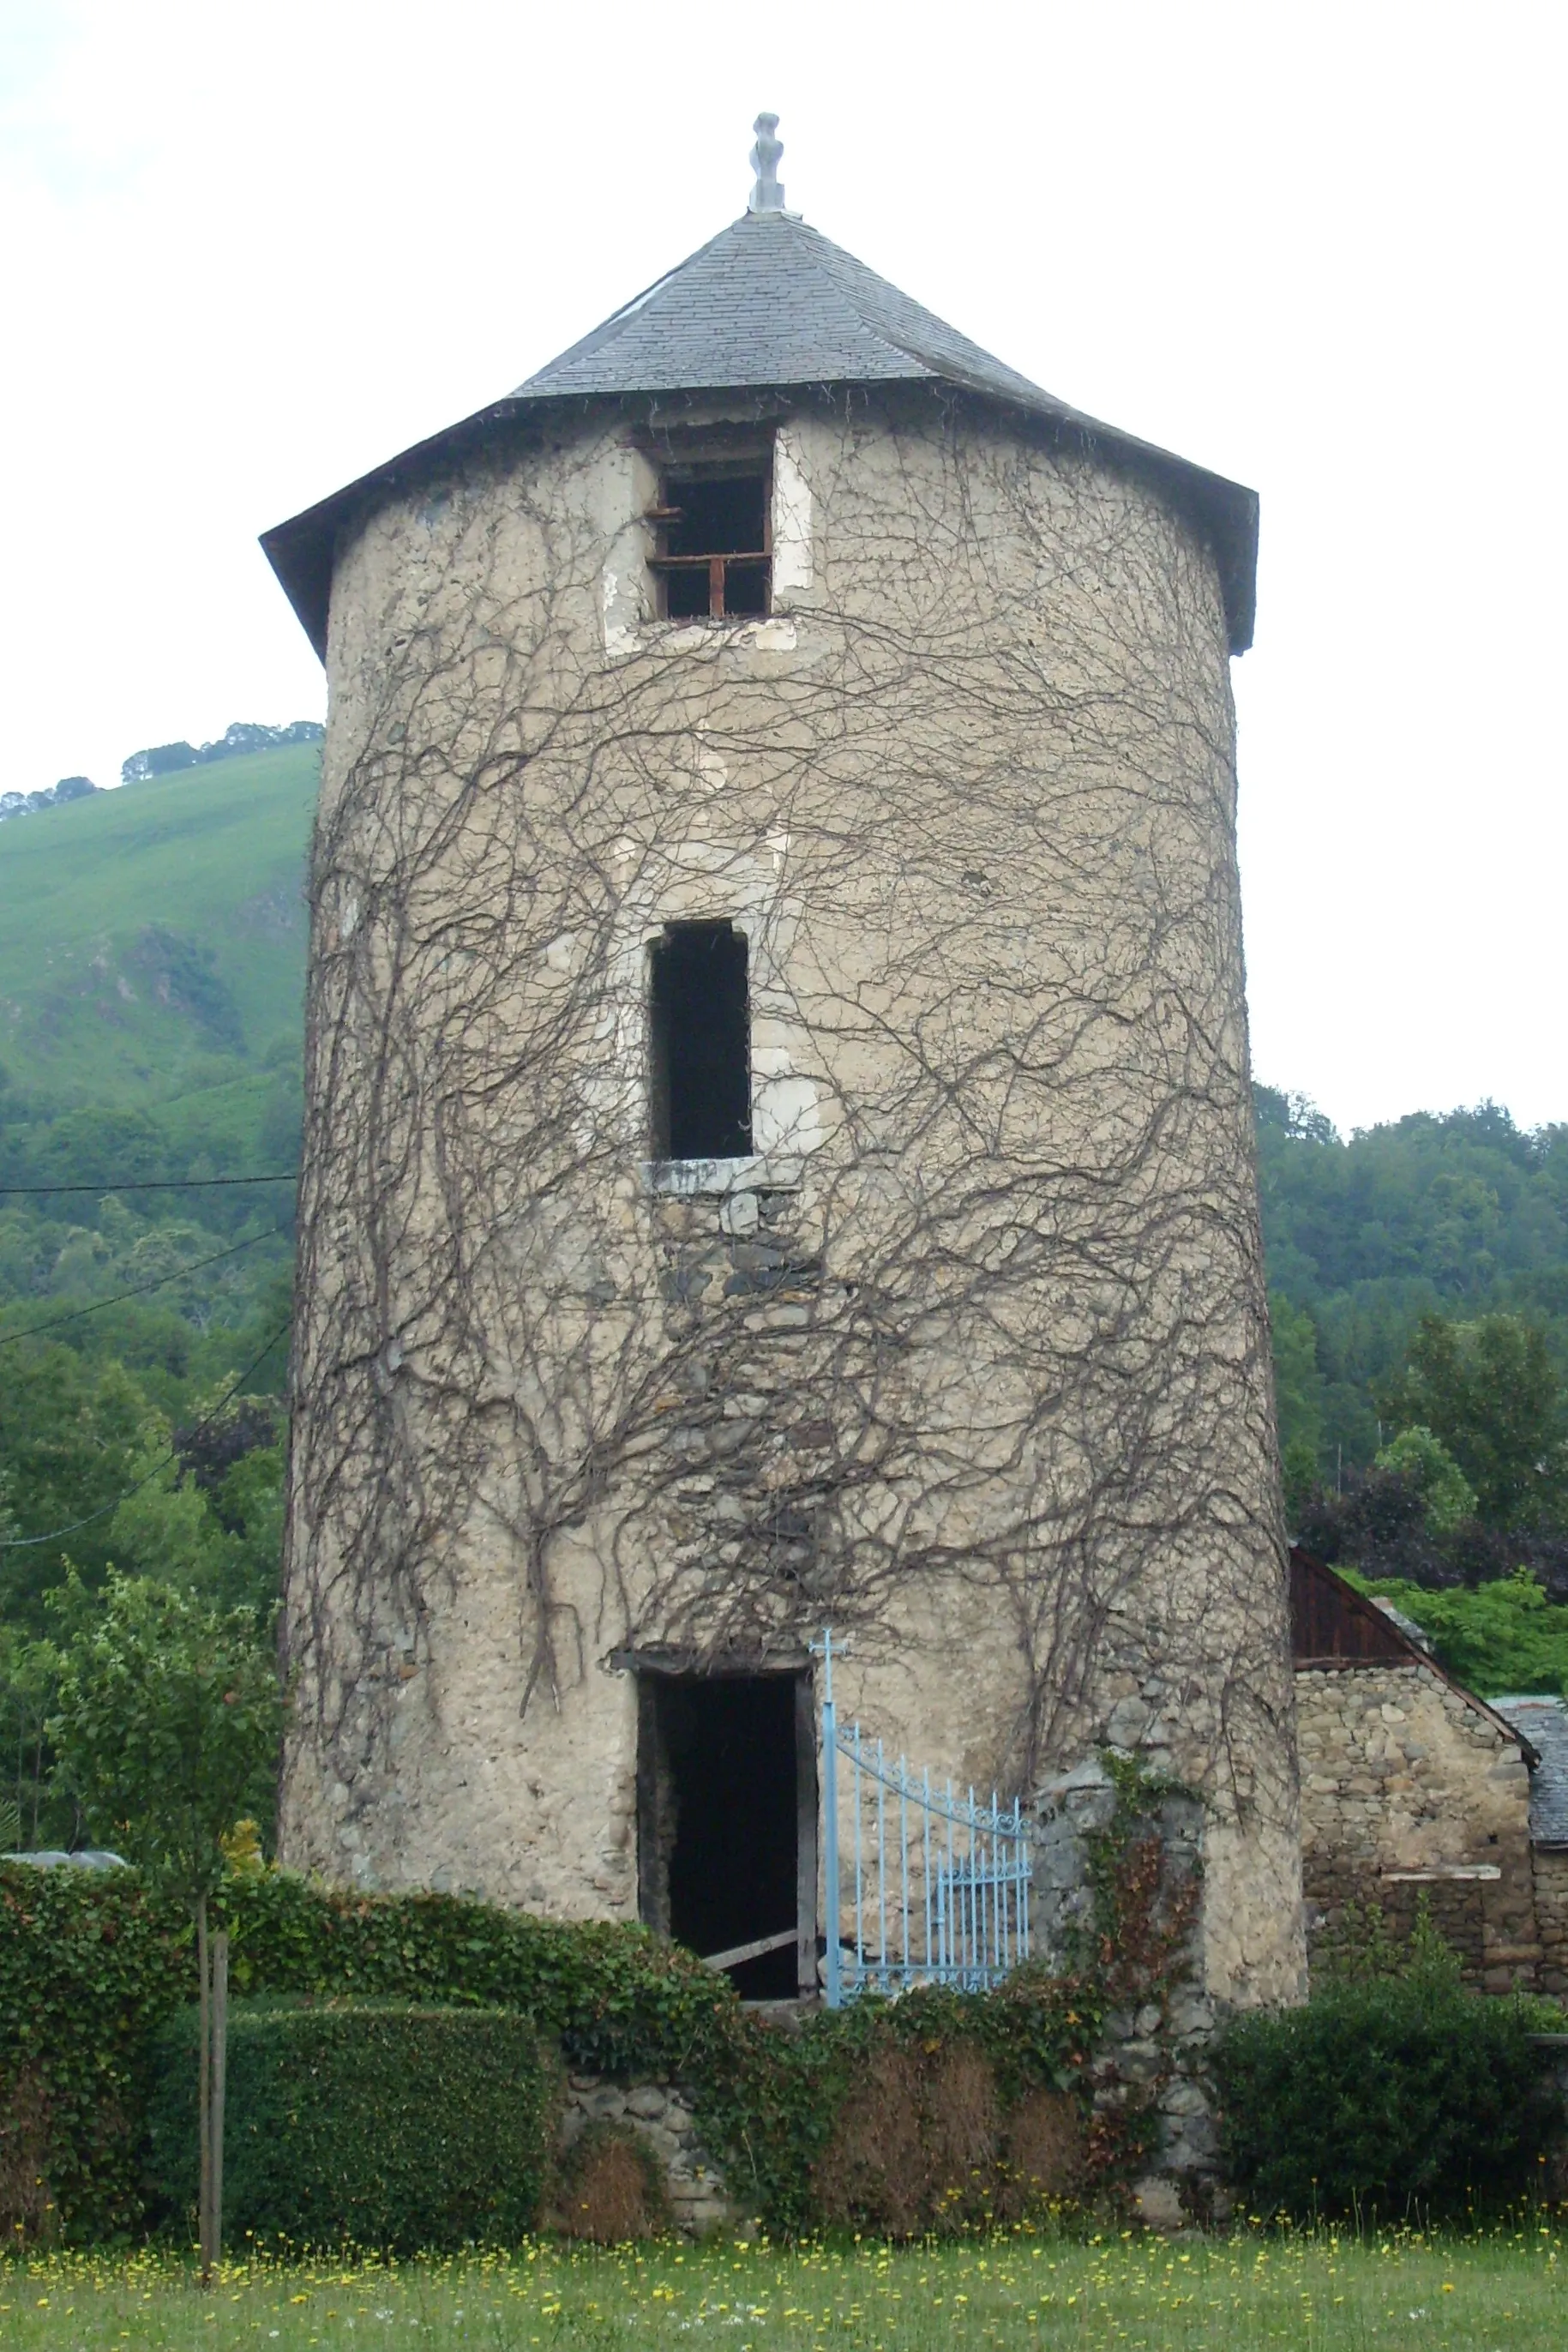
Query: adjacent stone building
{"type": "Point", "coordinates": [779, 1142]}
{"type": "Point", "coordinates": [1414, 1791]}
{"type": "Point", "coordinates": [1542, 1723]}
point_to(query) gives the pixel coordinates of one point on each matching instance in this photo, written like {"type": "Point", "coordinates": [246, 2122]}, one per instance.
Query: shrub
{"type": "Point", "coordinates": [380, 2123]}
{"type": "Point", "coordinates": [91, 1968]}
{"type": "Point", "coordinates": [612, 2187]}
{"type": "Point", "coordinates": [1384, 2094]}
{"type": "Point", "coordinates": [1506, 1636]}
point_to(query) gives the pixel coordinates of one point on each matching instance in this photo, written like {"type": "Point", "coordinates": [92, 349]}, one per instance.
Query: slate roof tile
{"type": "Point", "coordinates": [1543, 1721]}
{"type": "Point", "coordinates": [772, 304]}
{"type": "Point", "coordinates": [770, 301]}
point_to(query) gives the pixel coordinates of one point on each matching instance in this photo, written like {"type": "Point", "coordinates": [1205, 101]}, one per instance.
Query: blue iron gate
{"type": "Point", "coordinates": [941, 1882]}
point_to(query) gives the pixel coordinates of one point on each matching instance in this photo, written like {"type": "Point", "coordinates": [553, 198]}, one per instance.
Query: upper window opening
{"type": "Point", "coordinates": [715, 543]}
{"type": "Point", "coordinates": [701, 1040]}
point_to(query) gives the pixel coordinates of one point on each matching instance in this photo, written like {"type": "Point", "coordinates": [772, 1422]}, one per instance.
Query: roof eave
{"type": "Point", "coordinates": [302, 552]}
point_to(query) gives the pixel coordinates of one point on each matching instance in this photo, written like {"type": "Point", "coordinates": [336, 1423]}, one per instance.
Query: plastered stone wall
{"type": "Point", "coordinates": [1409, 1791]}
{"type": "Point", "coordinates": [970, 1359]}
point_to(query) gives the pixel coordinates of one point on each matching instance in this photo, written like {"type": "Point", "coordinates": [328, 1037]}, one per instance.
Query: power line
{"type": "Point", "coordinates": [153, 1183]}
{"type": "Point", "coordinates": [26, 1543]}
{"type": "Point", "coordinates": [31, 1331]}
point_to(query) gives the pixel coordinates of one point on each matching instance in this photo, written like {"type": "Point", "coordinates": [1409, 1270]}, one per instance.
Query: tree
{"type": "Point", "coordinates": [1426, 1463]}
{"type": "Point", "coordinates": [169, 1718]}
{"type": "Point", "coordinates": [69, 1436]}
{"type": "Point", "coordinates": [32, 1813]}
{"type": "Point", "coordinates": [1379, 1522]}
{"type": "Point", "coordinates": [1489, 1392]}
{"type": "Point", "coordinates": [1298, 1401]}
{"type": "Point", "coordinates": [158, 760]}
{"type": "Point", "coordinates": [1298, 1382]}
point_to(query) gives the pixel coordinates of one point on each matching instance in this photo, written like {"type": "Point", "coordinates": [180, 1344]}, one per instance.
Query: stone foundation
{"type": "Point", "coordinates": [659, 2115]}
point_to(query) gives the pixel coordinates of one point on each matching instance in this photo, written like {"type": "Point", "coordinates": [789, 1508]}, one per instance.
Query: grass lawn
{"type": "Point", "coordinates": [1502, 2292]}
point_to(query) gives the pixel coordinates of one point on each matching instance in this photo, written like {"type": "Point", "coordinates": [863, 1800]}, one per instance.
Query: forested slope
{"type": "Point", "coordinates": [151, 968]}
{"type": "Point", "coordinates": [1459, 1215]}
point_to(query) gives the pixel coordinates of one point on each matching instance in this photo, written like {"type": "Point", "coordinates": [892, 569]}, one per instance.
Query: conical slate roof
{"type": "Point", "coordinates": [770, 301]}
{"type": "Point", "coordinates": [769, 305]}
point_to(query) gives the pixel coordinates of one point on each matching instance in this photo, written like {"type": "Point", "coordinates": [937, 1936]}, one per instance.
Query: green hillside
{"type": "Point", "coordinates": [152, 967]}
{"type": "Point", "coordinates": [152, 942]}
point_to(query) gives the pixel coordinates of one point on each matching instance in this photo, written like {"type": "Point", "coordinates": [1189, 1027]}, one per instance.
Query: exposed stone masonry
{"type": "Point", "coordinates": [1410, 1790]}
{"type": "Point", "coordinates": [659, 2115]}
{"type": "Point", "coordinates": [1551, 1919]}
{"type": "Point", "coordinates": [1161, 2045]}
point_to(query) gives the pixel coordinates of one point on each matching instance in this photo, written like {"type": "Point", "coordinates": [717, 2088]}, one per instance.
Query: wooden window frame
{"type": "Point", "coordinates": [754, 463]}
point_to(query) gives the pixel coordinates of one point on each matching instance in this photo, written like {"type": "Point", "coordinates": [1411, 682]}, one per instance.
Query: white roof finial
{"type": "Point", "coordinates": [767, 195]}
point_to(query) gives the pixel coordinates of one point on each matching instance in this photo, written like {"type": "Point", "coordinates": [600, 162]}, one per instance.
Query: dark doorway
{"type": "Point", "coordinates": [727, 1818]}
{"type": "Point", "coordinates": [700, 1041]}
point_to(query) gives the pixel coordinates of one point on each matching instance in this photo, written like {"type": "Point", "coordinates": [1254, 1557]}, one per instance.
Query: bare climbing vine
{"type": "Point", "coordinates": [988, 1318]}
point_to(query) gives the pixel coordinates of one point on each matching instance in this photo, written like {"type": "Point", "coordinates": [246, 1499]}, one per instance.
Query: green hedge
{"type": "Point", "coordinates": [376, 2123]}
{"type": "Point", "coordinates": [88, 1968]}
{"type": "Point", "coordinates": [1401, 2093]}
{"type": "Point", "coordinates": [92, 1966]}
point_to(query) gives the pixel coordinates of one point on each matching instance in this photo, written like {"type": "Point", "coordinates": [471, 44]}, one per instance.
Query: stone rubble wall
{"type": "Point", "coordinates": [1409, 1790]}
{"type": "Point", "coordinates": [1551, 1919]}
{"type": "Point", "coordinates": [659, 2114]}
{"type": "Point", "coordinates": [1162, 2046]}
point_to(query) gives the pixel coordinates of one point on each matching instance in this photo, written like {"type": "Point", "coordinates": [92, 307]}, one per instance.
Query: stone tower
{"type": "Point", "coordinates": [778, 1146]}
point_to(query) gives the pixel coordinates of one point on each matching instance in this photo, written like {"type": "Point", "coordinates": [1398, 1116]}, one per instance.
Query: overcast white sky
{"type": "Point", "coordinates": [251, 249]}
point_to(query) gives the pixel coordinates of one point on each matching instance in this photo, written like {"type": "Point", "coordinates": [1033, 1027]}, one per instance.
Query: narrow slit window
{"type": "Point", "coordinates": [701, 1043]}
{"type": "Point", "coordinates": [715, 554]}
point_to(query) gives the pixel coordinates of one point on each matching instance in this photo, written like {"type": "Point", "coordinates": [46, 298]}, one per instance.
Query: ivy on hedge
{"type": "Point", "coordinates": [88, 1968]}
{"type": "Point", "coordinates": [92, 1966]}
{"type": "Point", "coordinates": [767, 2102]}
